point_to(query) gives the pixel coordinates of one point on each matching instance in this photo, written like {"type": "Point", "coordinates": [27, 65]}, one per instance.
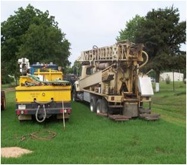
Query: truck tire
{"type": "Point", "coordinates": [74, 95]}
{"type": "Point", "coordinates": [98, 106]}
{"type": "Point", "coordinates": [102, 106]}
{"type": "Point", "coordinates": [3, 100]}
{"type": "Point", "coordinates": [93, 104]}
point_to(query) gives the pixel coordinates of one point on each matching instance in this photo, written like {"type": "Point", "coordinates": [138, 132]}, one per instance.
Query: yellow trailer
{"type": "Point", "coordinates": [42, 99]}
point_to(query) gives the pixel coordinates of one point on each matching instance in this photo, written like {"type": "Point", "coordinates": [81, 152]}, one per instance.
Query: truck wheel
{"type": "Point", "coordinates": [98, 106]}
{"type": "Point", "coordinates": [102, 106]}
{"type": "Point", "coordinates": [3, 100]}
{"type": "Point", "coordinates": [74, 95]}
{"type": "Point", "coordinates": [93, 104]}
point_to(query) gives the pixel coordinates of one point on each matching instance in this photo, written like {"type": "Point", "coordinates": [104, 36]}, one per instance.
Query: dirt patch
{"type": "Point", "coordinates": [13, 152]}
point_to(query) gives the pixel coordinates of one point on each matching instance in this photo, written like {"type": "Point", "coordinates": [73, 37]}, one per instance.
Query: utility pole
{"type": "Point", "coordinates": [173, 82]}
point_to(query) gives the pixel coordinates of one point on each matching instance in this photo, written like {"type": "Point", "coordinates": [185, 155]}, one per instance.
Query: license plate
{"type": "Point", "coordinates": [21, 106]}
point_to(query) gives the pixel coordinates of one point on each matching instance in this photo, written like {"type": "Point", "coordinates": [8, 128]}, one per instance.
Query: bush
{"type": "Point", "coordinates": [6, 79]}
{"type": "Point", "coordinates": [184, 81]}
{"type": "Point", "coordinates": [168, 80]}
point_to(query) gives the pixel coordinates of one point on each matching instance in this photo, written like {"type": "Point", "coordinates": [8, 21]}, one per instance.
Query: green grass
{"type": "Point", "coordinates": [171, 104]}
{"type": "Point", "coordinates": [10, 85]}
{"type": "Point", "coordinates": [4, 86]}
{"type": "Point", "coordinates": [90, 139]}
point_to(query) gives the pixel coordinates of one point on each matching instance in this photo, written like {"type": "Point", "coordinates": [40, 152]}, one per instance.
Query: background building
{"type": "Point", "coordinates": [176, 76]}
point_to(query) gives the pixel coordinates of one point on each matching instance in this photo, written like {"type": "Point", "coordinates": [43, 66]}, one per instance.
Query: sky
{"type": "Point", "coordinates": [88, 23]}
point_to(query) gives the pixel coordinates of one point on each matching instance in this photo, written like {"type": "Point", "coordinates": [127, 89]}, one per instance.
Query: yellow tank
{"type": "Point", "coordinates": [43, 99]}
{"type": "Point", "coordinates": [43, 93]}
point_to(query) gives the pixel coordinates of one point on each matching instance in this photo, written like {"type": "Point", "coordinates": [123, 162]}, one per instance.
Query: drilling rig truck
{"type": "Point", "coordinates": [42, 92]}
{"type": "Point", "coordinates": [112, 84]}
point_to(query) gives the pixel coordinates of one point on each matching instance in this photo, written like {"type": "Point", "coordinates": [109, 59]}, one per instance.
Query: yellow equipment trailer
{"type": "Point", "coordinates": [42, 99]}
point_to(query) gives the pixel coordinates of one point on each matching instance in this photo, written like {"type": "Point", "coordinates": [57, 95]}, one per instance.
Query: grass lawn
{"type": "Point", "coordinates": [90, 139]}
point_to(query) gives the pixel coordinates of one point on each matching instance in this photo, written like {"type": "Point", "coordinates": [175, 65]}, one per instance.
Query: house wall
{"type": "Point", "coordinates": [177, 76]}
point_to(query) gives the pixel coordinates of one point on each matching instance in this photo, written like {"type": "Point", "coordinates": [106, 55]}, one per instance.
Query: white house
{"type": "Point", "coordinates": [176, 76]}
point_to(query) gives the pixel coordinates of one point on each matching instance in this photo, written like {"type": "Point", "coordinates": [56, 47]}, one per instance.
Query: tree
{"type": "Point", "coordinates": [76, 68]}
{"type": "Point", "coordinates": [129, 33]}
{"type": "Point", "coordinates": [162, 34]}
{"type": "Point", "coordinates": [35, 35]}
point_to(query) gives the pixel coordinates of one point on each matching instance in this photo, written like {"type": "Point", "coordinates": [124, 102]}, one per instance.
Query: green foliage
{"type": "Point", "coordinates": [162, 34]}
{"type": "Point", "coordinates": [35, 35]}
{"type": "Point", "coordinates": [129, 33]}
{"type": "Point", "coordinates": [168, 80]}
{"type": "Point", "coordinates": [76, 68]}
{"type": "Point", "coordinates": [6, 79]}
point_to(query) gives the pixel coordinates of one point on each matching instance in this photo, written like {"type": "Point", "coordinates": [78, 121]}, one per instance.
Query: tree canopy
{"type": "Point", "coordinates": [35, 35]}
{"type": "Point", "coordinates": [162, 35]}
{"type": "Point", "coordinates": [131, 29]}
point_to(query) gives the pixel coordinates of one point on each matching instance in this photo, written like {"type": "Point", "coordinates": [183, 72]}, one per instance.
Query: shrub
{"type": "Point", "coordinates": [168, 80]}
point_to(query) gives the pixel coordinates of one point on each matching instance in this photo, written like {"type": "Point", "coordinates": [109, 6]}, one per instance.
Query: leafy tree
{"type": "Point", "coordinates": [35, 35]}
{"type": "Point", "coordinates": [76, 68]}
{"type": "Point", "coordinates": [129, 33]}
{"type": "Point", "coordinates": [162, 34]}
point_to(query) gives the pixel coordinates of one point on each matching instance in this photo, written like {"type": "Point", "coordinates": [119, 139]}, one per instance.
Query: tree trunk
{"type": "Point", "coordinates": [157, 87]}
